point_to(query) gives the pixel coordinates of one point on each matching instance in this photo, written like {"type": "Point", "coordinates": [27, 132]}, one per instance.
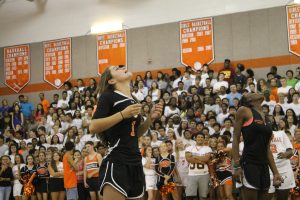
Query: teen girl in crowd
{"type": "Point", "coordinates": [224, 172]}
{"type": "Point", "coordinates": [27, 171]}
{"type": "Point", "coordinates": [165, 168]}
{"type": "Point", "coordinates": [42, 177]}
{"type": "Point", "coordinates": [252, 169]}
{"type": "Point", "coordinates": [150, 175]}
{"type": "Point", "coordinates": [118, 120]}
{"type": "Point", "coordinates": [56, 180]}
{"type": "Point", "coordinates": [17, 188]}
{"type": "Point", "coordinates": [6, 176]}
{"type": "Point", "coordinates": [82, 191]}
{"type": "Point", "coordinates": [182, 166]}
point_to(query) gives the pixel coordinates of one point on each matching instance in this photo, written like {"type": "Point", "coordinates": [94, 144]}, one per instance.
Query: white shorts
{"type": "Point", "coordinates": [151, 181]}
{"type": "Point", "coordinates": [17, 189]}
{"type": "Point", "coordinates": [289, 181]}
{"type": "Point", "coordinates": [244, 183]}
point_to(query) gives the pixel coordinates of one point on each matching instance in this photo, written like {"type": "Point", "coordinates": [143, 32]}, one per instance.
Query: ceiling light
{"type": "Point", "coordinates": [106, 27]}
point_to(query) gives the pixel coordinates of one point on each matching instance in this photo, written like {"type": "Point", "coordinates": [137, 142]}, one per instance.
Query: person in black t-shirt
{"type": "Point", "coordinates": [252, 169]}
{"type": "Point", "coordinates": [118, 120]}
{"type": "Point", "coordinates": [6, 177]}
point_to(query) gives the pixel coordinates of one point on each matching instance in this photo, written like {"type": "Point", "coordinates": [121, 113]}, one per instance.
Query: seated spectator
{"type": "Point", "coordinates": [187, 80]}
{"type": "Point", "coordinates": [3, 146]}
{"type": "Point", "coordinates": [80, 85]}
{"type": "Point", "coordinates": [291, 81]}
{"type": "Point", "coordinates": [239, 77]}
{"type": "Point", "coordinates": [137, 93]}
{"type": "Point", "coordinates": [154, 139]}
{"type": "Point", "coordinates": [282, 101]}
{"type": "Point", "coordinates": [210, 106]}
{"type": "Point", "coordinates": [221, 82]}
{"type": "Point", "coordinates": [278, 113]}
{"type": "Point", "coordinates": [4, 108]}
{"type": "Point", "coordinates": [228, 71]}
{"type": "Point", "coordinates": [233, 94]}
{"type": "Point", "coordinates": [154, 92]}
{"type": "Point", "coordinates": [171, 108]}
{"type": "Point", "coordinates": [63, 102]}
{"type": "Point", "coordinates": [17, 117]}
{"type": "Point", "coordinates": [148, 79]}
{"type": "Point", "coordinates": [188, 141]}
{"type": "Point", "coordinates": [228, 126]}
{"type": "Point", "coordinates": [55, 101]}
{"type": "Point", "coordinates": [262, 86]}
{"type": "Point", "coordinates": [180, 88]}
{"type": "Point", "coordinates": [39, 112]}
{"type": "Point", "coordinates": [284, 89]}
{"type": "Point", "coordinates": [295, 105]}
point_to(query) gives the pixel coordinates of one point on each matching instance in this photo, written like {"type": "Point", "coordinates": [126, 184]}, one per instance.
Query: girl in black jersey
{"type": "Point", "coordinates": [164, 167]}
{"type": "Point", "coordinates": [252, 169]}
{"type": "Point", "coordinates": [118, 120]}
{"type": "Point", "coordinates": [42, 177]}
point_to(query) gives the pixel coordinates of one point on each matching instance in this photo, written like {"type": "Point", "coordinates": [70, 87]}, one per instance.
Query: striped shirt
{"type": "Point", "coordinates": [92, 165]}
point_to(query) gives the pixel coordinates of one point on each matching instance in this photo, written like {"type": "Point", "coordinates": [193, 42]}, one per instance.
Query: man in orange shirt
{"type": "Point", "coordinates": [274, 89]}
{"type": "Point", "coordinates": [44, 102]}
{"type": "Point", "coordinates": [70, 168]}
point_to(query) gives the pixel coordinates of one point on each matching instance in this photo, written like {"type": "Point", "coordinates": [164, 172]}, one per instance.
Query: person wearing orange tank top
{"type": "Point", "coordinates": [70, 168]}
{"type": "Point", "coordinates": [92, 164]}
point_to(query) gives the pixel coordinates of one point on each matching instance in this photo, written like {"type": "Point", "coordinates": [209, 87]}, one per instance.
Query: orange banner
{"type": "Point", "coordinates": [293, 26]}
{"type": "Point", "coordinates": [57, 62]}
{"type": "Point", "coordinates": [196, 42]}
{"type": "Point", "coordinates": [17, 66]}
{"type": "Point", "coordinates": [111, 50]}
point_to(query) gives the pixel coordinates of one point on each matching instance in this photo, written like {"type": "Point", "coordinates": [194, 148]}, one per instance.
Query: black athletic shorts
{"type": "Point", "coordinates": [56, 184]}
{"type": "Point", "coordinates": [224, 176]}
{"type": "Point", "coordinates": [94, 184]}
{"type": "Point", "coordinates": [42, 185]}
{"type": "Point", "coordinates": [127, 179]}
{"type": "Point", "coordinates": [257, 175]}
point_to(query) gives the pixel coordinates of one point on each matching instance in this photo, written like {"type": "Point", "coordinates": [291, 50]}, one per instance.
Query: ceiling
{"type": "Point", "coordinates": [23, 21]}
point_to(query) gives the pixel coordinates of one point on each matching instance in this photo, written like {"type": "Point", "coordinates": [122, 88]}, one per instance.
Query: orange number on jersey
{"type": "Point", "coordinates": [132, 129]}
{"type": "Point", "coordinates": [273, 148]}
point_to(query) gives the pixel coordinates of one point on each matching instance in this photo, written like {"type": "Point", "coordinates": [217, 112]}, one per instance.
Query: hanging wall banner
{"type": "Point", "coordinates": [111, 50]}
{"type": "Point", "coordinates": [293, 26]}
{"type": "Point", "coordinates": [57, 62]}
{"type": "Point", "coordinates": [196, 42]}
{"type": "Point", "coordinates": [17, 67]}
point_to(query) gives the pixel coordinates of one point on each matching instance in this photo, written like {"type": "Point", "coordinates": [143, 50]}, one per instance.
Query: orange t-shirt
{"type": "Point", "coordinates": [272, 98]}
{"type": "Point", "coordinates": [70, 179]}
{"type": "Point", "coordinates": [274, 93]}
{"type": "Point", "coordinates": [46, 105]}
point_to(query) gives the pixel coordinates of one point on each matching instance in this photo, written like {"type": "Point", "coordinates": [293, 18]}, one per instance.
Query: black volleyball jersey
{"type": "Point", "coordinates": [42, 170]}
{"type": "Point", "coordinates": [256, 137]}
{"type": "Point", "coordinates": [122, 137]}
